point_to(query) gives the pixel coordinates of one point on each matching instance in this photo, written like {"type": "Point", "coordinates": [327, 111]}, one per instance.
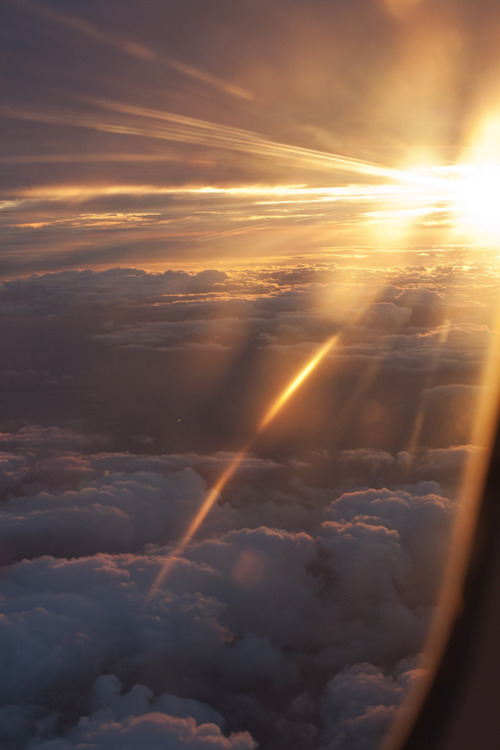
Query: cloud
{"type": "Point", "coordinates": [359, 702]}
{"type": "Point", "coordinates": [115, 513]}
{"type": "Point", "coordinates": [246, 613]}
{"type": "Point", "coordinates": [420, 521]}
{"type": "Point", "coordinates": [155, 730]}
{"type": "Point", "coordinates": [296, 614]}
{"type": "Point", "coordinates": [224, 344]}
{"type": "Point", "coordinates": [115, 285]}
{"type": "Point", "coordinates": [136, 720]}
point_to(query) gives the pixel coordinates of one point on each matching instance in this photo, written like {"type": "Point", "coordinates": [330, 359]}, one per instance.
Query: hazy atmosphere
{"type": "Point", "coordinates": [248, 287]}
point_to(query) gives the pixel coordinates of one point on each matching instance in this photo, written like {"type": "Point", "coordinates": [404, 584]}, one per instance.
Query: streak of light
{"type": "Point", "coordinates": [260, 145]}
{"type": "Point", "coordinates": [426, 188]}
{"type": "Point", "coordinates": [229, 472]}
{"type": "Point", "coordinates": [5, 205]}
{"type": "Point", "coordinates": [451, 599]}
{"type": "Point", "coordinates": [131, 48]}
{"type": "Point", "coordinates": [295, 194]}
{"type": "Point", "coordinates": [202, 75]}
{"type": "Point", "coordinates": [409, 213]}
{"type": "Point", "coordinates": [241, 204]}
{"type": "Point", "coordinates": [183, 129]}
{"type": "Point", "coordinates": [278, 404]}
{"type": "Point", "coordinates": [198, 519]}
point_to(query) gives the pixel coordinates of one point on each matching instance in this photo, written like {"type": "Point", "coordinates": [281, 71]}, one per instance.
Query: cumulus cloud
{"type": "Point", "coordinates": [67, 288]}
{"type": "Point", "coordinates": [155, 730]}
{"type": "Point", "coordinates": [248, 629]}
{"type": "Point", "coordinates": [115, 513]}
{"type": "Point", "coordinates": [359, 703]}
{"type": "Point", "coordinates": [295, 615]}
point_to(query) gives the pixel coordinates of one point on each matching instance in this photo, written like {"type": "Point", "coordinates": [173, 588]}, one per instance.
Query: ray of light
{"type": "Point", "coordinates": [170, 126]}
{"type": "Point", "coordinates": [277, 195]}
{"type": "Point", "coordinates": [253, 142]}
{"type": "Point", "coordinates": [281, 400]}
{"type": "Point", "coordinates": [198, 519]}
{"type": "Point", "coordinates": [132, 48]}
{"type": "Point", "coordinates": [229, 472]}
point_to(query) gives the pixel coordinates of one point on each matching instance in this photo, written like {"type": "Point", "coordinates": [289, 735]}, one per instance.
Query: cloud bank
{"type": "Point", "coordinates": [296, 614]}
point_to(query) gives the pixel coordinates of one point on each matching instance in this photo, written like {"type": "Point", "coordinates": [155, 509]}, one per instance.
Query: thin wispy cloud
{"type": "Point", "coordinates": [132, 48]}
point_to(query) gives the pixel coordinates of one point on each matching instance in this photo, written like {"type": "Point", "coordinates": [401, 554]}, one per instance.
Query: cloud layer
{"type": "Point", "coordinates": [249, 626]}
{"type": "Point", "coordinates": [296, 614]}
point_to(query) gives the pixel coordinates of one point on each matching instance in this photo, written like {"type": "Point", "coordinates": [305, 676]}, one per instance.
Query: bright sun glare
{"type": "Point", "coordinates": [469, 193]}
{"type": "Point", "coordinates": [478, 198]}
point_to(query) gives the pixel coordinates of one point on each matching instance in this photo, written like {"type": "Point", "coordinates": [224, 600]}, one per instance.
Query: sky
{"type": "Point", "coordinates": [189, 133]}
{"type": "Point", "coordinates": [248, 289]}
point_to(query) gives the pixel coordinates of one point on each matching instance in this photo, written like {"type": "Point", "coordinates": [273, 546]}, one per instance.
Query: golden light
{"type": "Point", "coordinates": [476, 179]}
{"type": "Point", "coordinates": [228, 473]}
{"type": "Point", "coordinates": [292, 387]}
{"type": "Point", "coordinates": [400, 8]}
{"type": "Point", "coordinates": [464, 196]}
{"type": "Point", "coordinates": [477, 195]}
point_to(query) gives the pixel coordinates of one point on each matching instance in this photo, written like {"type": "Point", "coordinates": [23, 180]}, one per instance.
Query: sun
{"type": "Point", "coordinates": [460, 199]}
{"type": "Point", "coordinates": [476, 199]}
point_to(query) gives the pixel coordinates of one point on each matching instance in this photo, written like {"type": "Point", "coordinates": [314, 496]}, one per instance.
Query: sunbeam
{"type": "Point", "coordinates": [290, 389]}
{"type": "Point", "coordinates": [225, 477]}
{"type": "Point", "coordinates": [132, 48]}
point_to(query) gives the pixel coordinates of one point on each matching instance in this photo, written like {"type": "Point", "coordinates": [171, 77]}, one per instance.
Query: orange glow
{"type": "Point", "coordinates": [400, 8]}
{"type": "Point", "coordinates": [477, 200]}
{"type": "Point", "coordinates": [212, 497]}
{"type": "Point", "coordinates": [173, 127]}
{"type": "Point", "coordinates": [451, 598]}
{"type": "Point", "coordinates": [229, 472]}
{"type": "Point", "coordinates": [292, 387]}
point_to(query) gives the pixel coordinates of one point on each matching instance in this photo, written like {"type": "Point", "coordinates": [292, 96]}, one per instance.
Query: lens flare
{"type": "Point", "coordinates": [292, 387]}
{"type": "Point", "coordinates": [477, 199]}
{"type": "Point", "coordinates": [229, 472]}
{"type": "Point", "coordinates": [200, 516]}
